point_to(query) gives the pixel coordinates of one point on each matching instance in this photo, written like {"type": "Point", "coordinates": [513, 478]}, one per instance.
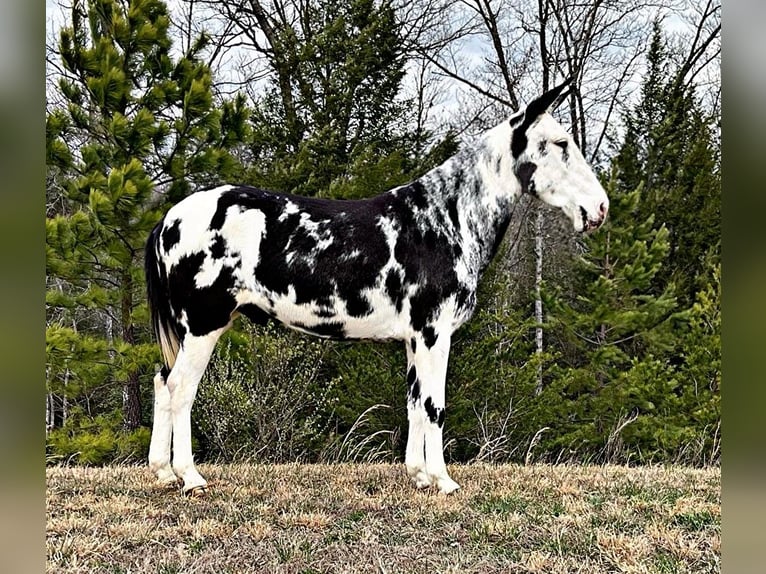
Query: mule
{"type": "Point", "coordinates": [404, 265]}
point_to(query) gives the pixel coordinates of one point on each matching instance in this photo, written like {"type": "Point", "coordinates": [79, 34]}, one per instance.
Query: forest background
{"type": "Point", "coordinates": [597, 348]}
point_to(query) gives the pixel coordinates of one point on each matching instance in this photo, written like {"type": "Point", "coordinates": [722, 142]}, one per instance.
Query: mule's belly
{"type": "Point", "coordinates": [329, 320]}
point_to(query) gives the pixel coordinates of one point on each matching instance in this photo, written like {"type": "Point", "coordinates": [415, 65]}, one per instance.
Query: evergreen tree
{"type": "Point", "coordinates": [331, 113]}
{"type": "Point", "coordinates": [700, 374]}
{"type": "Point", "coordinates": [614, 338]}
{"type": "Point", "coordinates": [641, 375]}
{"type": "Point", "coordinates": [670, 149]}
{"type": "Point", "coordinates": [134, 121]}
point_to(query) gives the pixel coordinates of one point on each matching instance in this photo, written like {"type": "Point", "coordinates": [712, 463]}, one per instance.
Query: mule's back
{"type": "Point", "coordinates": [332, 268]}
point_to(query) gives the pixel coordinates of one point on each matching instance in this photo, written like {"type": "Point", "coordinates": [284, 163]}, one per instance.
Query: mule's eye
{"type": "Point", "coordinates": [562, 144]}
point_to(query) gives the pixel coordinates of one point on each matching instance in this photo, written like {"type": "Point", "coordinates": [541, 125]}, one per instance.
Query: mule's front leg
{"type": "Point", "coordinates": [426, 378]}
{"type": "Point", "coordinates": [162, 431]}
{"type": "Point", "coordinates": [435, 467]}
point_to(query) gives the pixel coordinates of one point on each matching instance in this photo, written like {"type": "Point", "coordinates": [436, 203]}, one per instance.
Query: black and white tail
{"type": "Point", "coordinates": [158, 295]}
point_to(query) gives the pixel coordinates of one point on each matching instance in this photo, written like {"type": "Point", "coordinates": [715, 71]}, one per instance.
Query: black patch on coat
{"type": "Point", "coordinates": [458, 178]}
{"type": "Point", "coordinates": [431, 410]}
{"type": "Point", "coordinates": [357, 305]}
{"type": "Point", "coordinates": [519, 139]}
{"type": "Point", "coordinates": [225, 201]}
{"type": "Point", "coordinates": [171, 235]}
{"type": "Point", "coordinates": [430, 238]}
{"type": "Point", "coordinates": [435, 414]}
{"type": "Point", "coordinates": [423, 306]}
{"type": "Point", "coordinates": [542, 148]}
{"type": "Point", "coordinates": [394, 289]}
{"type": "Point", "coordinates": [524, 172]}
{"type": "Point", "coordinates": [453, 214]}
{"type": "Point", "coordinates": [464, 298]}
{"type": "Point", "coordinates": [412, 375]}
{"type": "Point", "coordinates": [207, 308]}
{"type": "Point", "coordinates": [413, 344]}
{"type": "Point", "coordinates": [255, 313]}
{"type": "Point", "coordinates": [429, 336]}
{"type": "Point", "coordinates": [218, 248]}
{"type": "Point", "coordinates": [325, 312]}
{"type": "Point", "coordinates": [416, 193]}
{"type": "Point", "coordinates": [164, 373]}
{"type": "Point", "coordinates": [414, 391]}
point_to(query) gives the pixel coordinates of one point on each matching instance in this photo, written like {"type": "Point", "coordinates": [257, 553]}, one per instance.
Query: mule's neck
{"type": "Point", "coordinates": [481, 183]}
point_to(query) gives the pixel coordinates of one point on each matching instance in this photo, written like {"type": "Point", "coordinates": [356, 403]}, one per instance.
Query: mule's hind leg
{"type": "Point", "coordinates": [162, 431]}
{"type": "Point", "coordinates": [426, 378]}
{"type": "Point", "coordinates": [183, 381]}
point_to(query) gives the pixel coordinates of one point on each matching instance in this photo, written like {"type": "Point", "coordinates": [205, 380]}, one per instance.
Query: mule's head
{"type": "Point", "coordinates": [549, 165]}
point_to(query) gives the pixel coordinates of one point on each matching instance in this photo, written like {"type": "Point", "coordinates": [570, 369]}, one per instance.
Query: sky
{"type": "Point", "coordinates": [451, 103]}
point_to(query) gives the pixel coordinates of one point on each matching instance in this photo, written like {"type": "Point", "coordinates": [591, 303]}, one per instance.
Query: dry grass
{"type": "Point", "coordinates": [367, 518]}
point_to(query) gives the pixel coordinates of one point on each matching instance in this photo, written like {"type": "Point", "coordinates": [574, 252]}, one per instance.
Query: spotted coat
{"type": "Point", "coordinates": [402, 265]}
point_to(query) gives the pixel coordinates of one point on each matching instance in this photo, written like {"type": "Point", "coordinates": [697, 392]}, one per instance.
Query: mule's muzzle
{"type": "Point", "coordinates": [590, 224]}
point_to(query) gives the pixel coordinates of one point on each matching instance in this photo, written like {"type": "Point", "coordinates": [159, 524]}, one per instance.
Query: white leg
{"type": "Point", "coordinates": [415, 457]}
{"type": "Point", "coordinates": [415, 460]}
{"type": "Point", "coordinates": [162, 431]}
{"type": "Point", "coordinates": [435, 467]}
{"type": "Point", "coordinates": [183, 381]}
{"type": "Point", "coordinates": [426, 378]}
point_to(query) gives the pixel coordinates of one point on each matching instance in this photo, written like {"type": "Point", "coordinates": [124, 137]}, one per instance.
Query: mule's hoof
{"type": "Point", "coordinates": [164, 474]}
{"type": "Point", "coordinates": [197, 492]}
{"type": "Point", "coordinates": [447, 485]}
{"type": "Point", "coordinates": [167, 479]}
{"type": "Point", "coordinates": [170, 483]}
{"type": "Point", "coordinates": [421, 480]}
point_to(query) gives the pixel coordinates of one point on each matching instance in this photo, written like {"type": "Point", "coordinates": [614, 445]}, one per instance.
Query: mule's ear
{"type": "Point", "coordinates": [549, 101]}
{"type": "Point", "coordinates": [563, 94]}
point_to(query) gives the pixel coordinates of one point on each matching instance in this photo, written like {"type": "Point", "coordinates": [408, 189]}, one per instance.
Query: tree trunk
{"type": "Point", "coordinates": [280, 60]}
{"type": "Point", "coordinates": [131, 392]}
{"type": "Point", "coordinates": [49, 413]}
{"type": "Point", "coordinates": [543, 15]}
{"type": "Point", "coordinates": [538, 298]}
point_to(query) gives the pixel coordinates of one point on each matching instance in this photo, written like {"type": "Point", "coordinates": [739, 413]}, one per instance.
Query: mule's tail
{"type": "Point", "coordinates": [158, 295]}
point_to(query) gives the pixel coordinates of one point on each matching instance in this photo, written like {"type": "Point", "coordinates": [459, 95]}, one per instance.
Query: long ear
{"type": "Point", "coordinates": [547, 102]}
{"type": "Point", "coordinates": [563, 94]}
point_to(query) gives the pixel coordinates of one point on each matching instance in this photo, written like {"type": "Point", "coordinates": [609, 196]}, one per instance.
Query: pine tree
{"type": "Point", "coordinates": [332, 113]}
{"type": "Point", "coordinates": [135, 128]}
{"type": "Point", "coordinates": [670, 149]}
{"type": "Point", "coordinates": [614, 325]}
{"type": "Point", "coordinates": [653, 393]}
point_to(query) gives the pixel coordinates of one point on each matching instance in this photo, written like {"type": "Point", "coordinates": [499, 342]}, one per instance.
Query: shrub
{"type": "Point", "coordinates": [263, 397]}
{"type": "Point", "coordinates": [98, 440]}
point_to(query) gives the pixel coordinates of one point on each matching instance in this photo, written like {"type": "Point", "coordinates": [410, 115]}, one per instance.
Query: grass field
{"type": "Point", "coordinates": [367, 518]}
